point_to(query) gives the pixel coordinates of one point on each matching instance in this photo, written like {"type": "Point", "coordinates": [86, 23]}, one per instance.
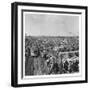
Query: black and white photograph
{"type": "Point", "coordinates": [51, 44]}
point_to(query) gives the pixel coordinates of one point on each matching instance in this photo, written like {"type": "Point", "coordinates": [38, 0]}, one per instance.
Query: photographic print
{"type": "Point", "coordinates": [52, 44]}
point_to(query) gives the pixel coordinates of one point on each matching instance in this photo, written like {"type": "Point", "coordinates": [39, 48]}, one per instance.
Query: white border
{"type": "Point", "coordinates": [53, 78]}
{"type": "Point", "coordinates": [48, 76]}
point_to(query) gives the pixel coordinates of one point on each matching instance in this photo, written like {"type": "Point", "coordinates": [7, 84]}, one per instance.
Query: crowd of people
{"type": "Point", "coordinates": [50, 60]}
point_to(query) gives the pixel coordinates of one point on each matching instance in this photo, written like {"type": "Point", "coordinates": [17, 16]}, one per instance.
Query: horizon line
{"type": "Point", "coordinates": [52, 36]}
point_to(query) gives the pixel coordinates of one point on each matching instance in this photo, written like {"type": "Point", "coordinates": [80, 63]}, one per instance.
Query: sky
{"type": "Point", "coordinates": [51, 25]}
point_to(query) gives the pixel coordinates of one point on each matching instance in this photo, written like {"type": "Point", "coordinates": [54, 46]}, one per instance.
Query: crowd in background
{"type": "Point", "coordinates": [45, 56]}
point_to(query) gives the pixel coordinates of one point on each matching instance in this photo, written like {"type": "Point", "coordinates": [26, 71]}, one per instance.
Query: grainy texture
{"type": "Point", "coordinates": [51, 55]}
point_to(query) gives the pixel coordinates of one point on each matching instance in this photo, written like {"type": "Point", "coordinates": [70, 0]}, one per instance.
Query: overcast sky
{"type": "Point", "coordinates": [51, 25]}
